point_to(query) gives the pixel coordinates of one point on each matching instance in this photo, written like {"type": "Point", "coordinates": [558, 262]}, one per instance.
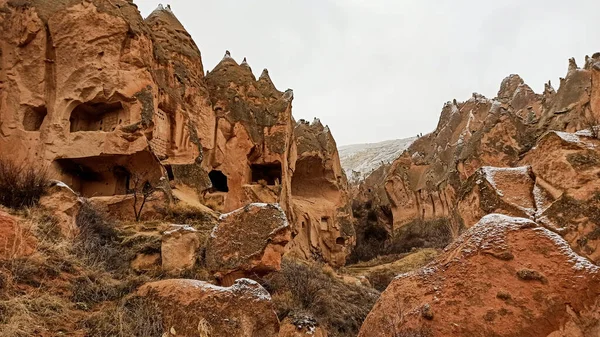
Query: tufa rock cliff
{"type": "Point", "coordinates": [125, 104]}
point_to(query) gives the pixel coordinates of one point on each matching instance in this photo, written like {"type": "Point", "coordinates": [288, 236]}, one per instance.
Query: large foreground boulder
{"type": "Point", "coordinates": [248, 241]}
{"type": "Point", "coordinates": [195, 308]}
{"type": "Point", "coordinates": [504, 277]}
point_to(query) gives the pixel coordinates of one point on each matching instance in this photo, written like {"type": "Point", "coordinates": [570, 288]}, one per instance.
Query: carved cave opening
{"type": "Point", "coordinates": [311, 180]}
{"type": "Point", "coordinates": [34, 117]}
{"type": "Point", "coordinates": [340, 241]}
{"type": "Point", "coordinates": [219, 181]}
{"type": "Point", "coordinates": [103, 117]}
{"type": "Point", "coordinates": [269, 173]}
{"type": "Point", "coordinates": [108, 175]}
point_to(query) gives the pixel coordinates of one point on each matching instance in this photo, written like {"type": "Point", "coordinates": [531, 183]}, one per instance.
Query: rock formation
{"type": "Point", "coordinates": [125, 105]}
{"type": "Point", "coordinates": [246, 242]}
{"type": "Point", "coordinates": [504, 277]}
{"type": "Point", "coordinates": [520, 154]}
{"type": "Point", "coordinates": [192, 308]}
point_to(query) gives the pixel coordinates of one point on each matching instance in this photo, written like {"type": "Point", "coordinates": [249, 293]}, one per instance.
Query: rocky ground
{"type": "Point", "coordinates": [143, 196]}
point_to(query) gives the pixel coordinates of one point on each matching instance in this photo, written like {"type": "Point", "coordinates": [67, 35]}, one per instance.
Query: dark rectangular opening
{"type": "Point", "coordinates": [219, 181]}
{"type": "Point", "coordinates": [97, 117]}
{"type": "Point", "coordinates": [34, 117]}
{"type": "Point", "coordinates": [269, 173]}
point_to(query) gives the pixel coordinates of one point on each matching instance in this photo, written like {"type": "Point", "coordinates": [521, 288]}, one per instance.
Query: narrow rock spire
{"type": "Point", "coordinates": [245, 63]}
{"type": "Point", "coordinates": [572, 64]}
{"type": "Point", "coordinates": [227, 55]}
{"type": "Point", "coordinates": [288, 95]}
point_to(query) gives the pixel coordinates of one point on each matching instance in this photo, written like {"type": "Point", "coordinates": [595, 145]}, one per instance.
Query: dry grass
{"type": "Point", "coordinates": [381, 275]}
{"type": "Point", "coordinates": [21, 185]}
{"type": "Point", "coordinates": [305, 289]}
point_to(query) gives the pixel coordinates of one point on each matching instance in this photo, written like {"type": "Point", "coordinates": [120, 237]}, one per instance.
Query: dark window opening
{"type": "Point", "coordinates": [96, 117]}
{"type": "Point", "coordinates": [170, 174]}
{"type": "Point", "coordinates": [219, 181]}
{"type": "Point", "coordinates": [325, 223]}
{"type": "Point", "coordinates": [340, 241]}
{"type": "Point", "coordinates": [269, 173]}
{"type": "Point", "coordinates": [34, 117]}
{"type": "Point", "coordinates": [123, 180]}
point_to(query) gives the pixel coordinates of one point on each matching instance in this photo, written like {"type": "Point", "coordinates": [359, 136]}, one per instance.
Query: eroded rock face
{"type": "Point", "coordinates": [322, 211]}
{"type": "Point", "coordinates": [192, 308]}
{"type": "Point", "coordinates": [473, 163]}
{"type": "Point", "coordinates": [128, 101]}
{"type": "Point", "coordinates": [523, 280]}
{"type": "Point", "coordinates": [248, 241]}
{"type": "Point", "coordinates": [16, 240]}
{"type": "Point", "coordinates": [179, 247]}
{"type": "Point", "coordinates": [64, 204]}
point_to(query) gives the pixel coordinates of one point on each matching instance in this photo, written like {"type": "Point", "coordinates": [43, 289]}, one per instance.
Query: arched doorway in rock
{"type": "Point", "coordinates": [269, 173]}
{"type": "Point", "coordinates": [219, 181]}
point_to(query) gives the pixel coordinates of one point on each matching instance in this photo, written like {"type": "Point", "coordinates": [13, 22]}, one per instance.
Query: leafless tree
{"type": "Point", "coordinates": [141, 190]}
{"type": "Point", "coordinates": [592, 124]}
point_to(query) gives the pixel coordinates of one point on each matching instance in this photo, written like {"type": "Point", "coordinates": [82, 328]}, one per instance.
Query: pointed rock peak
{"type": "Point", "coordinates": [227, 55]}
{"type": "Point", "coordinates": [572, 64]}
{"type": "Point", "coordinates": [265, 75]}
{"type": "Point", "coordinates": [548, 88]}
{"type": "Point", "coordinates": [245, 63]}
{"type": "Point", "coordinates": [509, 86]}
{"type": "Point", "coordinates": [316, 122]}
{"type": "Point", "coordinates": [266, 82]}
{"type": "Point", "coordinates": [288, 95]}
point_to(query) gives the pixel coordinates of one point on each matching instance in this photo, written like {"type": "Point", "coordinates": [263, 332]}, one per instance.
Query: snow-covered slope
{"type": "Point", "coordinates": [362, 159]}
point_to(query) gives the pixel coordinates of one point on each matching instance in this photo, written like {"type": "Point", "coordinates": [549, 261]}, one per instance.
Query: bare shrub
{"type": "Point", "coordinates": [304, 289]}
{"type": "Point", "coordinates": [21, 185]}
{"type": "Point", "coordinates": [131, 317]}
{"type": "Point", "coordinates": [98, 242]}
{"type": "Point", "coordinates": [593, 126]}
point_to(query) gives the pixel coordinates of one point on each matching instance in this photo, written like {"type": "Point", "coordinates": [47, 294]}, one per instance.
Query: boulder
{"type": "Point", "coordinates": [196, 308]}
{"type": "Point", "coordinates": [301, 327]}
{"type": "Point", "coordinates": [179, 248]}
{"type": "Point", "coordinates": [248, 241]}
{"type": "Point", "coordinates": [64, 204]}
{"type": "Point", "coordinates": [505, 277]}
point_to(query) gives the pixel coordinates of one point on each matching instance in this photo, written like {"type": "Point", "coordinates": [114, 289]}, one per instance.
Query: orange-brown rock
{"type": "Point", "coordinates": [64, 204]}
{"type": "Point", "coordinates": [323, 225]}
{"type": "Point", "coordinates": [195, 308]}
{"type": "Point", "coordinates": [179, 247]}
{"type": "Point", "coordinates": [301, 327]}
{"type": "Point", "coordinates": [127, 100]}
{"type": "Point", "coordinates": [16, 240]}
{"type": "Point", "coordinates": [504, 277]}
{"type": "Point", "coordinates": [248, 241]}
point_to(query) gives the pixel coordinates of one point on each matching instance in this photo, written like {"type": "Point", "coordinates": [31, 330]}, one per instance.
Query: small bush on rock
{"type": "Point", "coordinates": [21, 185]}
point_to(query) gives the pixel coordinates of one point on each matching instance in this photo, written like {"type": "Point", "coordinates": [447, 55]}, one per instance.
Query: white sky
{"type": "Point", "coordinates": [382, 69]}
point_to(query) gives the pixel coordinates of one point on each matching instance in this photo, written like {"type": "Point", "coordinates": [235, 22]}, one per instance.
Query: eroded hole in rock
{"type": "Point", "coordinates": [34, 117]}
{"type": "Point", "coordinates": [97, 117]}
{"type": "Point", "coordinates": [269, 173]}
{"type": "Point", "coordinates": [340, 241]}
{"type": "Point", "coordinates": [170, 174]}
{"type": "Point", "coordinates": [325, 223]}
{"type": "Point", "coordinates": [101, 176]}
{"type": "Point", "coordinates": [219, 181]}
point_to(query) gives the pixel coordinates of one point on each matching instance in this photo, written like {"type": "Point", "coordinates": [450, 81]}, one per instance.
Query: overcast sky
{"type": "Point", "coordinates": [375, 70]}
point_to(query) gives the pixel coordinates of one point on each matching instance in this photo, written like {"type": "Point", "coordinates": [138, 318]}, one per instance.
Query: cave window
{"type": "Point", "coordinates": [340, 241]}
{"type": "Point", "coordinates": [270, 173]}
{"type": "Point", "coordinates": [123, 180]}
{"type": "Point", "coordinates": [325, 223]}
{"type": "Point", "coordinates": [96, 117]}
{"type": "Point", "coordinates": [170, 174]}
{"type": "Point", "coordinates": [34, 117]}
{"type": "Point", "coordinates": [219, 181]}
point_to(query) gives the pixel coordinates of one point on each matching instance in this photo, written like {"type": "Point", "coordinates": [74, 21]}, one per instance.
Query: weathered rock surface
{"type": "Point", "coordinates": [504, 277]}
{"type": "Point", "coordinates": [248, 241]}
{"type": "Point", "coordinates": [126, 102]}
{"type": "Point", "coordinates": [192, 308]}
{"type": "Point", "coordinates": [300, 327]}
{"type": "Point", "coordinates": [179, 247]}
{"type": "Point", "coordinates": [474, 163]}
{"type": "Point", "coordinates": [321, 205]}
{"type": "Point", "coordinates": [16, 240]}
{"type": "Point", "coordinates": [64, 204]}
